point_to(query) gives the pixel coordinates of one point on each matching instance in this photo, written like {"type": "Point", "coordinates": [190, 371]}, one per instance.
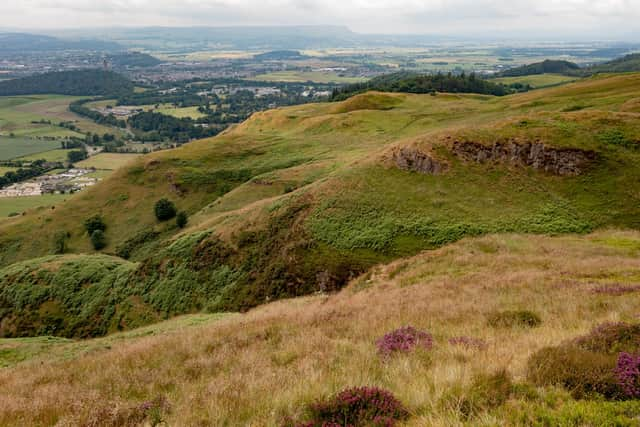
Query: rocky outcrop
{"type": "Point", "coordinates": [412, 159]}
{"type": "Point", "coordinates": [558, 161]}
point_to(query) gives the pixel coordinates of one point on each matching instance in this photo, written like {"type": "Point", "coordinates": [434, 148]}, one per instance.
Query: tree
{"type": "Point", "coordinates": [76, 155]}
{"type": "Point", "coordinates": [165, 209]}
{"type": "Point", "coordinates": [98, 240]}
{"type": "Point", "coordinates": [94, 223]}
{"type": "Point", "coordinates": [182, 219]}
{"type": "Point", "coordinates": [60, 242]}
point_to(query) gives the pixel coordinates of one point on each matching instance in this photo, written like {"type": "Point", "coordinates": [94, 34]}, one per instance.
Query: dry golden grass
{"type": "Point", "coordinates": [254, 369]}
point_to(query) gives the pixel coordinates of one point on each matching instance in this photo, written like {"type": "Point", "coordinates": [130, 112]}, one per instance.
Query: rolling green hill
{"type": "Point", "coordinates": [302, 199]}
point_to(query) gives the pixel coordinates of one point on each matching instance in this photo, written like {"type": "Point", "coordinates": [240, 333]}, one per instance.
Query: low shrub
{"type": "Point", "coordinates": [627, 373]}
{"type": "Point", "coordinates": [611, 338]}
{"type": "Point", "coordinates": [404, 340]}
{"type": "Point", "coordinates": [98, 240]}
{"type": "Point", "coordinates": [513, 318]}
{"type": "Point", "coordinates": [487, 391]}
{"type": "Point", "coordinates": [165, 210]}
{"type": "Point", "coordinates": [357, 407]}
{"type": "Point", "coordinates": [94, 223]}
{"type": "Point", "coordinates": [582, 372]}
{"type": "Point", "coordinates": [181, 219]}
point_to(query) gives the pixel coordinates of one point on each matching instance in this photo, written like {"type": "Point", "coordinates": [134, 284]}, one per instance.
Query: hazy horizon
{"type": "Point", "coordinates": [546, 19]}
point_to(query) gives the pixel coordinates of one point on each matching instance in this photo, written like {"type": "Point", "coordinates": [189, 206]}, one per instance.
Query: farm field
{"type": "Point", "coordinates": [12, 148]}
{"type": "Point", "coordinates": [537, 81]}
{"type": "Point", "coordinates": [305, 76]}
{"type": "Point", "coordinates": [18, 114]}
{"type": "Point", "coordinates": [107, 161]}
{"type": "Point", "coordinates": [180, 112]}
{"type": "Point", "coordinates": [4, 169]}
{"type": "Point", "coordinates": [57, 155]}
{"type": "Point", "coordinates": [9, 205]}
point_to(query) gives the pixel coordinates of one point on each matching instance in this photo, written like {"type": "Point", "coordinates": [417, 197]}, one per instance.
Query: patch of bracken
{"type": "Point", "coordinates": [404, 340]}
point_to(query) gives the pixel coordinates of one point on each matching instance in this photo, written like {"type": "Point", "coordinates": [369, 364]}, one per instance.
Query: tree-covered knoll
{"type": "Point", "coordinates": [424, 83]}
{"type": "Point", "coordinates": [78, 83]}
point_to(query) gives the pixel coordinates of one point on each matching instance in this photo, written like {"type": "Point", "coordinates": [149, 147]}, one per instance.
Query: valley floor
{"type": "Point", "coordinates": [266, 365]}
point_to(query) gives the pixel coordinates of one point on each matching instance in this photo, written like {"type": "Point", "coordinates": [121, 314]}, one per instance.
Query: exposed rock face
{"type": "Point", "coordinates": [412, 159]}
{"type": "Point", "coordinates": [558, 161]}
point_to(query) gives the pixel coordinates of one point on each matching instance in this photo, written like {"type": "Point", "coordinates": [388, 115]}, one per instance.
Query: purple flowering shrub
{"type": "Point", "coordinates": [357, 407]}
{"type": "Point", "coordinates": [404, 340]}
{"type": "Point", "coordinates": [468, 342]}
{"type": "Point", "coordinates": [628, 374]}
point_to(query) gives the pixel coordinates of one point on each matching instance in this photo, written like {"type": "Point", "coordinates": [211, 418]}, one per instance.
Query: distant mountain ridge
{"type": "Point", "coordinates": [23, 42]}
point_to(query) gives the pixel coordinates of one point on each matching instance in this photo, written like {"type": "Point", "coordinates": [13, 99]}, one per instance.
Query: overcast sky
{"type": "Point", "coordinates": [607, 19]}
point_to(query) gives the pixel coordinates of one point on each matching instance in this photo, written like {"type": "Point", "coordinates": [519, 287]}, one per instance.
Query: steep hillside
{"type": "Point", "coordinates": [303, 199]}
{"type": "Point", "coordinates": [273, 363]}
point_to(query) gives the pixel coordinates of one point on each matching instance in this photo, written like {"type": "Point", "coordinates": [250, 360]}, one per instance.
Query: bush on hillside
{"type": "Point", "coordinates": [165, 210]}
{"type": "Point", "coordinates": [612, 338]}
{"type": "Point", "coordinates": [487, 391]}
{"type": "Point", "coordinates": [94, 223]}
{"type": "Point", "coordinates": [357, 407]}
{"type": "Point", "coordinates": [98, 240]}
{"type": "Point", "coordinates": [513, 318]}
{"type": "Point", "coordinates": [182, 219]}
{"type": "Point", "coordinates": [404, 340]}
{"type": "Point", "coordinates": [602, 362]}
{"type": "Point", "coordinates": [60, 242]}
{"type": "Point", "coordinates": [583, 373]}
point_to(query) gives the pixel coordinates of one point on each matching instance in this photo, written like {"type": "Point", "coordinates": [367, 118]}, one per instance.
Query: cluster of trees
{"type": "Point", "coordinates": [76, 155]}
{"type": "Point", "coordinates": [159, 126]}
{"type": "Point", "coordinates": [424, 83]}
{"type": "Point", "coordinates": [35, 168]}
{"type": "Point", "coordinates": [78, 83]}
{"type": "Point", "coordinates": [108, 120]}
{"type": "Point", "coordinates": [547, 66]}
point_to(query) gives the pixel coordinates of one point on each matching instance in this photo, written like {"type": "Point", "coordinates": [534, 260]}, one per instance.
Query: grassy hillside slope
{"type": "Point", "coordinates": [261, 367]}
{"type": "Point", "coordinates": [303, 199]}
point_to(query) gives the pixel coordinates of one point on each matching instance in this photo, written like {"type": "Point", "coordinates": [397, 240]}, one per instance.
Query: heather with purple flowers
{"type": "Point", "coordinates": [468, 342]}
{"type": "Point", "coordinates": [628, 374]}
{"type": "Point", "coordinates": [404, 340]}
{"type": "Point", "coordinates": [357, 407]}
